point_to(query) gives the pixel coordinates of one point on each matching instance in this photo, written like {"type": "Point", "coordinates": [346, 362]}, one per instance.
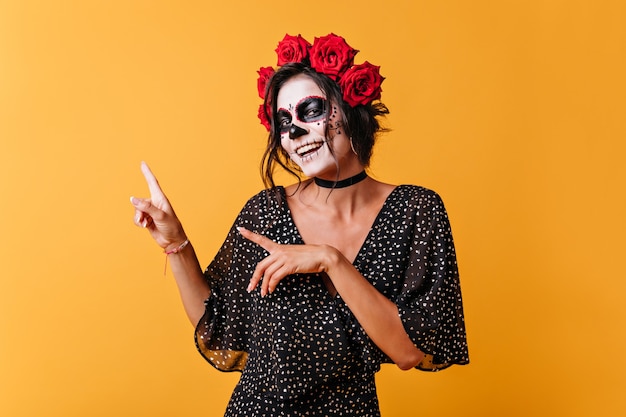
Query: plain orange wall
{"type": "Point", "coordinates": [512, 110]}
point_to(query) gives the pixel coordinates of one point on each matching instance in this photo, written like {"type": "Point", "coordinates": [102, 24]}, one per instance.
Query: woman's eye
{"type": "Point", "coordinates": [311, 109]}
{"type": "Point", "coordinates": [283, 119]}
{"type": "Point", "coordinates": [313, 113]}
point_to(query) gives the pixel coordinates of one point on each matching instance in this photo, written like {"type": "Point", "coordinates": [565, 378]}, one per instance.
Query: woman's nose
{"type": "Point", "coordinates": [296, 131]}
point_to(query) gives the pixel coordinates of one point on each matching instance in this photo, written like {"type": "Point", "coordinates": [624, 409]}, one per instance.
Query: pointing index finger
{"type": "Point", "coordinates": [153, 184]}
{"type": "Point", "coordinates": [264, 242]}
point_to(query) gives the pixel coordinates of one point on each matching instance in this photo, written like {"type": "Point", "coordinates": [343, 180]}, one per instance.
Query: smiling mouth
{"type": "Point", "coordinates": [309, 149]}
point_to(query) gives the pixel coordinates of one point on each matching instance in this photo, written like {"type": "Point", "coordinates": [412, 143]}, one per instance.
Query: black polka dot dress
{"type": "Point", "coordinates": [300, 350]}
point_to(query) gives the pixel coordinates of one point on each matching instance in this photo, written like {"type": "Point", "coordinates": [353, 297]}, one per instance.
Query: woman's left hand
{"type": "Point", "coordinates": [285, 260]}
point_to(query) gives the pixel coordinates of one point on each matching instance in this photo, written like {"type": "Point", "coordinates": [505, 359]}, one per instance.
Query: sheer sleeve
{"type": "Point", "coordinates": [429, 303]}
{"type": "Point", "coordinates": [222, 342]}
{"type": "Point", "coordinates": [223, 333]}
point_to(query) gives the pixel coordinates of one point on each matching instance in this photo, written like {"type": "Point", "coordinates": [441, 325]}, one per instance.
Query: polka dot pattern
{"type": "Point", "coordinates": [300, 350]}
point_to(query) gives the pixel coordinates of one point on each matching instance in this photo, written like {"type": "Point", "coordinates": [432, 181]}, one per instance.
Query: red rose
{"type": "Point", "coordinates": [331, 55]}
{"type": "Point", "coordinates": [292, 49]}
{"type": "Point", "coordinates": [265, 73]}
{"type": "Point", "coordinates": [361, 84]}
{"type": "Point", "coordinates": [263, 118]}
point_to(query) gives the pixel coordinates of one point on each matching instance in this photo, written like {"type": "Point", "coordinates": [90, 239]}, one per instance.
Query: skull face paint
{"type": "Point", "coordinates": [311, 128]}
{"type": "Point", "coordinates": [310, 109]}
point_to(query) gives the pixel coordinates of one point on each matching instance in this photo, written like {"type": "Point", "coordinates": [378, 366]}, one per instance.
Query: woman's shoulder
{"type": "Point", "coordinates": [266, 199]}
{"type": "Point", "coordinates": [277, 191]}
{"type": "Point", "coordinates": [417, 194]}
{"type": "Point", "coordinates": [414, 201]}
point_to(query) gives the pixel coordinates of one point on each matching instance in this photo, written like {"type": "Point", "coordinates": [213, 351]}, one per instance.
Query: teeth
{"type": "Point", "coordinates": [308, 148]}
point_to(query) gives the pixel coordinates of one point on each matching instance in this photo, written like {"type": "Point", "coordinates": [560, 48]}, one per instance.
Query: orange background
{"type": "Point", "coordinates": [512, 110]}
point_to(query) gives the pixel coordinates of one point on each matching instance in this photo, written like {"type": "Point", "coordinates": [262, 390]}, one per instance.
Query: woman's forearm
{"type": "Point", "coordinates": [192, 286]}
{"type": "Point", "coordinates": [376, 313]}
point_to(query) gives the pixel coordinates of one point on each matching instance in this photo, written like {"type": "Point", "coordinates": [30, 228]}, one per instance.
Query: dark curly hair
{"type": "Point", "coordinates": [360, 122]}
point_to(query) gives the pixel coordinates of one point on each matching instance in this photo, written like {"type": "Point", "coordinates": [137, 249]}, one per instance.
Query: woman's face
{"type": "Point", "coordinates": [301, 114]}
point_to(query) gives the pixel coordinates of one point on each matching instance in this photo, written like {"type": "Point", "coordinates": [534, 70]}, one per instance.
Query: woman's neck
{"type": "Point", "coordinates": [336, 184]}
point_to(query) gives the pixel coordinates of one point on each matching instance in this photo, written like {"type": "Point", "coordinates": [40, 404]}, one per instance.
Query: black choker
{"type": "Point", "coordinates": [341, 184]}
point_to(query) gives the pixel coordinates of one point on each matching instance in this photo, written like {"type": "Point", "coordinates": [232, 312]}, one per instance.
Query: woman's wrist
{"type": "Point", "coordinates": [176, 247]}
{"type": "Point", "coordinates": [172, 250]}
{"type": "Point", "coordinates": [332, 259]}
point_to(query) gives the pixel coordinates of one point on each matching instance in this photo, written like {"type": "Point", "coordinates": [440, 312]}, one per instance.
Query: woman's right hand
{"type": "Point", "coordinates": [156, 214]}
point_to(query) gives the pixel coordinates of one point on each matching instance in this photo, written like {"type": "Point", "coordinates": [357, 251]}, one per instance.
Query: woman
{"type": "Point", "coordinates": [319, 283]}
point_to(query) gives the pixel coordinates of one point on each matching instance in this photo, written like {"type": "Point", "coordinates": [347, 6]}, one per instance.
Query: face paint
{"type": "Point", "coordinates": [296, 131]}
{"type": "Point", "coordinates": [308, 110]}
{"type": "Point", "coordinates": [311, 109]}
{"type": "Point", "coordinates": [335, 124]}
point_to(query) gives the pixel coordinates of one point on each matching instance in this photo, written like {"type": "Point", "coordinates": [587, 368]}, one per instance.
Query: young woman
{"type": "Point", "coordinates": [319, 283]}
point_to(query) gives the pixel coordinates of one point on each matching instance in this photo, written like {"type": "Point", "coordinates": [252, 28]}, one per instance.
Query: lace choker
{"type": "Point", "coordinates": [341, 184]}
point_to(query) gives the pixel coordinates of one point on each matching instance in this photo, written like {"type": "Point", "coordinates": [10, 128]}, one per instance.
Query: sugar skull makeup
{"type": "Point", "coordinates": [310, 109]}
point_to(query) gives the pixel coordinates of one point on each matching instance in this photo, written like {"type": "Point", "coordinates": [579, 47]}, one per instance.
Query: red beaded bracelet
{"type": "Point", "coordinates": [175, 250]}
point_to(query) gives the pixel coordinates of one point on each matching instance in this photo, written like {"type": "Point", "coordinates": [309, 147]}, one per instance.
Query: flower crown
{"type": "Point", "coordinates": [332, 56]}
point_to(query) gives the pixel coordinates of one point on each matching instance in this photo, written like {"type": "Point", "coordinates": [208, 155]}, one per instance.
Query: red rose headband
{"type": "Point", "coordinates": [332, 56]}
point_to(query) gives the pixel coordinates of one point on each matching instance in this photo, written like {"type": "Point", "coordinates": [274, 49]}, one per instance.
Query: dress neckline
{"type": "Point", "coordinates": [376, 221]}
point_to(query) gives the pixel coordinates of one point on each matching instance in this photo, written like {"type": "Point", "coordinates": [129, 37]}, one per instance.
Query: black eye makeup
{"type": "Point", "coordinates": [309, 109]}
{"type": "Point", "coordinates": [283, 118]}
